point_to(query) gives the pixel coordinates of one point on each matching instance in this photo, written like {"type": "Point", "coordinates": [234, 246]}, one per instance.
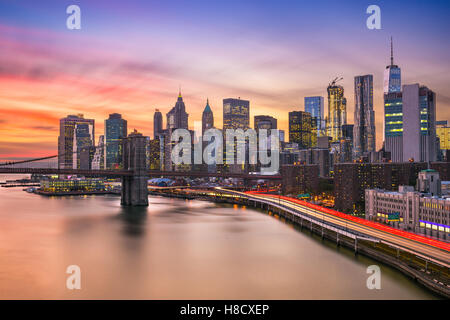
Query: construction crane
{"type": "Point", "coordinates": [335, 80]}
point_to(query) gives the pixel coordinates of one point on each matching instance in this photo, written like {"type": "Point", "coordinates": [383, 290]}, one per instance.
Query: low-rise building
{"type": "Point", "coordinates": [408, 209]}
{"type": "Point", "coordinates": [72, 185]}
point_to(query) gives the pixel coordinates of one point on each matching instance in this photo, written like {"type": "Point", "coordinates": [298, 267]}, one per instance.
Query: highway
{"type": "Point", "coordinates": [433, 249]}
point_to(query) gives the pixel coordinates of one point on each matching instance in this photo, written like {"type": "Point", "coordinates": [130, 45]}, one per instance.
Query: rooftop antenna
{"type": "Point", "coordinates": [392, 53]}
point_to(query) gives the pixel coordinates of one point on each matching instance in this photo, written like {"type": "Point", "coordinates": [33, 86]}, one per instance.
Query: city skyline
{"type": "Point", "coordinates": [46, 76]}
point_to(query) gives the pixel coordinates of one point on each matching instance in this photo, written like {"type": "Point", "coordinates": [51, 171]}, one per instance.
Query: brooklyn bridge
{"type": "Point", "coordinates": [134, 174]}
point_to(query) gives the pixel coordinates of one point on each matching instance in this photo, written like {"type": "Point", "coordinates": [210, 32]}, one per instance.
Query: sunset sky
{"type": "Point", "coordinates": [131, 57]}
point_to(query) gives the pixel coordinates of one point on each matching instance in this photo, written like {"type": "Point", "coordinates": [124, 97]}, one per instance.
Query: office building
{"type": "Point", "coordinates": [177, 118]}
{"type": "Point", "coordinates": [157, 123]}
{"type": "Point", "coordinates": [302, 129]}
{"type": "Point", "coordinates": [364, 117]}
{"type": "Point", "coordinates": [410, 124]}
{"type": "Point", "coordinates": [315, 106]}
{"type": "Point", "coordinates": [207, 118]}
{"type": "Point", "coordinates": [115, 130]}
{"type": "Point", "coordinates": [236, 114]}
{"type": "Point", "coordinates": [83, 144]}
{"type": "Point", "coordinates": [66, 148]}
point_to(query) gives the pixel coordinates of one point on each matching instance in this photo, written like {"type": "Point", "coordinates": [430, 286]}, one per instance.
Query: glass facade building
{"type": "Point", "coordinates": [315, 106]}
{"type": "Point", "coordinates": [115, 131]}
{"type": "Point", "coordinates": [364, 116]}
{"type": "Point", "coordinates": [66, 139]}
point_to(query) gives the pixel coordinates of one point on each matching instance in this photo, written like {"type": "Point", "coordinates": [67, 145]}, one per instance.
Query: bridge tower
{"type": "Point", "coordinates": [134, 187]}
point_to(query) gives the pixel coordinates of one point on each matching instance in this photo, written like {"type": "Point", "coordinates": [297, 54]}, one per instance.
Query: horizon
{"type": "Point", "coordinates": [134, 67]}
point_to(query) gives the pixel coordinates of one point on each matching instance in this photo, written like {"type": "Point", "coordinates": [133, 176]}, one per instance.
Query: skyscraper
{"type": "Point", "coordinates": [337, 111]}
{"type": "Point", "coordinates": [66, 138]}
{"type": "Point", "coordinates": [364, 127]}
{"type": "Point", "coordinates": [115, 131]}
{"type": "Point", "coordinates": [410, 124]}
{"type": "Point", "coordinates": [207, 118]}
{"type": "Point", "coordinates": [315, 106]}
{"type": "Point", "coordinates": [236, 114]}
{"type": "Point", "coordinates": [157, 123]}
{"type": "Point", "coordinates": [302, 129]}
{"type": "Point", "coordinates": [177, 118]}
{"type": "Point", "coordinates": [392, 76]}
{"type": "Point", "coordinates": [83, 145]}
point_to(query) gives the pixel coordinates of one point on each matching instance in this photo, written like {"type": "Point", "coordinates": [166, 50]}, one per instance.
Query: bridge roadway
{"type": "Point", "coordinates": [432, 250]}
{"type": "Point", "coordinates": [124, 173]}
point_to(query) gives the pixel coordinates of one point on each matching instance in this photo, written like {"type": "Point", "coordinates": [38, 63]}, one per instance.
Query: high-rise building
{"type": "Point", "coordinates": [364, 127]}
{"type": "Point", "coordinates": [157, 123]}
{"type": "Point", "coordinates": [67, 132]}
{"type": "Point", "coordinates": [98, 161]}
{"type": "Point", "coordinates": [207, 118]}
{"type": "Point", "coordinates": [236, 114]}
{"type": "Point", "coordinates": [177, 118]}
{"type": "Point", "coordinates": [315, 106]}
{"type": "Point", "coordinates": [392, 76]}
{"type": "Point", "coordinates": [83, 144]}
{"type": "Point", "coordinates": [410, 124]}
{"type": "Point", "coordinates": [115, 130]}
{"type": "Point", "coordinates": [302, 129]}
{"type": "Point", "coordinates": [337, 111]}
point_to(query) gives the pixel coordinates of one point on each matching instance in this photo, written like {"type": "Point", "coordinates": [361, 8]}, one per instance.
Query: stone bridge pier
{"type": "Point", "coordinates": [134, 187]}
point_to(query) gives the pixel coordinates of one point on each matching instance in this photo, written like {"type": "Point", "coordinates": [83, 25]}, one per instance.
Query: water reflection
{"type": "Point", "coordinates": [134, 220]}
{"type": "Point", "coordinates": [174, 249]}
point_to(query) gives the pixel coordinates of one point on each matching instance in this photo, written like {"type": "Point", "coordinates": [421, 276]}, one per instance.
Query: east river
{"type": "Point", "coordinates": [174, 249]}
